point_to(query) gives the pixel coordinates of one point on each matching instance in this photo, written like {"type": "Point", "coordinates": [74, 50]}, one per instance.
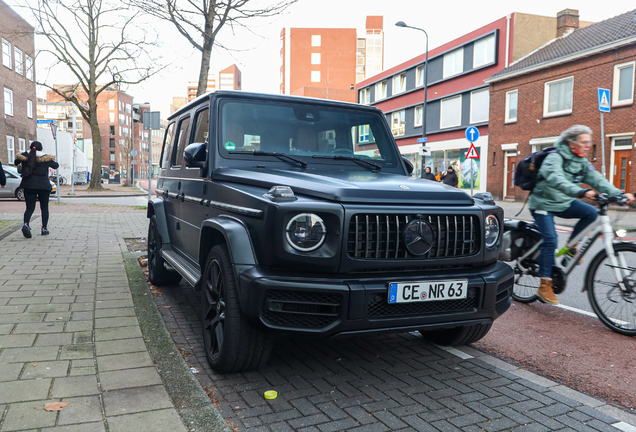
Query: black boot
{"type": "Point", "coordinates": [45, 231]}
{"type": "Point", "coordinates": [26, 231]}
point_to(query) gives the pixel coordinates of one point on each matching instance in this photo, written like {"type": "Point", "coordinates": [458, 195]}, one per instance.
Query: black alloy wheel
{"type": "Point", "coordinates": [213, 310]}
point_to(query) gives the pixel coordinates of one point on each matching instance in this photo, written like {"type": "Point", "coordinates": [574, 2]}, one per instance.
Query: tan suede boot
{"type": "Point", "coordinates": [545, 291]}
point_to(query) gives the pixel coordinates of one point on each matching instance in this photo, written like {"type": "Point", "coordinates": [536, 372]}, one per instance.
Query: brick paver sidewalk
{"type": "Point", "coordinates": [69, 332]}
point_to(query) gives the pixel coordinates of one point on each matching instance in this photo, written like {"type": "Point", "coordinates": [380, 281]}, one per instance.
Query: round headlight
{"type": "Point", "coordinates": [492, 230]}
{"type": "Point", "coordinates": [306, 232]}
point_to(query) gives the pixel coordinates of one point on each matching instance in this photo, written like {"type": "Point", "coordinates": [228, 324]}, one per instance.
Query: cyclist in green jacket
{"type": "Point", "coordinates": [560, 183]}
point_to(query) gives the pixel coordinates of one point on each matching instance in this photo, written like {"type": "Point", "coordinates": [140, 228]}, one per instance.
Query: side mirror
{"type": "Point", "coordinates": [195, 155]}
{"type": "Point", "coordinates": [409, 165]}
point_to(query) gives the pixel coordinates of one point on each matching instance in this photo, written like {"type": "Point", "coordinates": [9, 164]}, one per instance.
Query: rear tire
{"type": "Point", "coordinates": [458, 335]}
{"type": "Point", "coordinates": [19, 194]}
{"type": "Point", "coordinates": [526, 284]}
{"type": "Point", "coordinates": [158, 274]}
{"type": "Point", "coordinates": [232, 343]}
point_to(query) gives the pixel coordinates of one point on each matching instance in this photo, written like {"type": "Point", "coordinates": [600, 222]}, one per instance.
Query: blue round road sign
{"type": "Point", "coordinates": [472, 134]}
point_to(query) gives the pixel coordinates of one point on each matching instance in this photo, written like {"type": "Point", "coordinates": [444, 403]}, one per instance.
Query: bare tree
{"type": "Point", "coordinates": [200, 21]}
{"type": "Point", "coordinates": [97, 41]}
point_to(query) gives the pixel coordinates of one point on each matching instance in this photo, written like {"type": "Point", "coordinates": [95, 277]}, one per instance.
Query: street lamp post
{"type": "Point", "coordinates": [403, 24]}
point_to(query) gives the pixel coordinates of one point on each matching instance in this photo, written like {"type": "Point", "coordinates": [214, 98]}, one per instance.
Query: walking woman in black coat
{"type": "Point", "coordinates": [36, 184]}
{"type": "Point", "coordinates": [428, 175]}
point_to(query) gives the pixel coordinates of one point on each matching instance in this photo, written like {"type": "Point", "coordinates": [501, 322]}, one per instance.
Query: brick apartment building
{"type": "Point", "coordinates": [229, 79]}
{"type": "Point", "coordinates": [555, 87]}
{"type": "Point", "coordinates": [327, 62]}
{"type": "Point", "coordinates": [17, 79]}
{"type": "Point", "coordinates": [117, 124]}
{"type": "Point", "coordinates": [457, 95]}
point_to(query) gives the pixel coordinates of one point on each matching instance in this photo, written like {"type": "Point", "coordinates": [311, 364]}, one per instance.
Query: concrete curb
{"type": "Point", "coordinates": [193, 405]}
{"type": "Point", "coordinates": [101, 196]}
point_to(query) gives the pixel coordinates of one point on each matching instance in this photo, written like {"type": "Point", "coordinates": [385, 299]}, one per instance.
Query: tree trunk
{"type": "Point", "coordinates": [206, 54]}
{"type": "Point", "coordinates": [96, 174]}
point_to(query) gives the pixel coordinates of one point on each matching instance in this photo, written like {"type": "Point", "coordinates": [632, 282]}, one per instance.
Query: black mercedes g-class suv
{"type": "Point", "coordinates": [299, 216]}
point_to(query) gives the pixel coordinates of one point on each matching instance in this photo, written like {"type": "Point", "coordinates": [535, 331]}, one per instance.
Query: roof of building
{"type": "Point", "coordinates": [605, 33]}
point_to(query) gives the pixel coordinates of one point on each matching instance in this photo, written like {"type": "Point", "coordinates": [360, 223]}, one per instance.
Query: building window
{"type": "Point", "coordinates": [112, 156]}
{"type": "Point", "coordinates": [29, 108]}
{"type": "Point", "coordinates": [363, 134]}
{"type": "Point", "coordinates": [557, 98]}
{"type": "Point", "coordinates": [380, 90]}
{"type": "Point", "coordinates": [111, 117]}
{"type": "Point", "coordinates": [419, 75]}
{"type": "Point", "coordinates": [112, 142]}
{"type": "Point", "coordinates": [22, 145]}
{"type": "Point", "coordinates": [623, 84]}
{"type": "Point", "coordinates": [8, 101]}
{"type": "Point", "coordinates": [418, 115]}
{"type": "Point", "coordinates": [11, 149]}
{"type": "Point", "coordinates": [111, 104]}
{"type": "Point", "coordinates": [315, 76]}
{"type": "Point", "coordinates": [484, 51]}
{"type": "Point", "coordinates": [511, 105]}
{"type": "Point", "coordinates": [315, 58]}
{"type": "Point", "coordinates": [315, 40]}
{"type": "Point", "coordinates": [454, 62]}
{"type": "Point", "coordinates": [479, 105]}
{"type": "Point", "coordinates": [112, 130]}
{"type": "Point", "coordinates": [363, 96]}
{"type": "Point", "coordinates": [19, 65]}
{"type": "Point", "coordinates": [28, 61]}
{"type": "Point", "coordinates": [6, 53]}
{"type": "Point", "coordinates": [397, 123]}
{"type": "Point", "coordinates": [399, 83]}
{"type": "Point", "coordinates": [451, 112]}
{"type": "Point", "coordinates": [113, 167]}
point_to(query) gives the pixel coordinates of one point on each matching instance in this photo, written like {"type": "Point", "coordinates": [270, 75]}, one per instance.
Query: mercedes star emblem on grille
{"type": "Point", "coordinates": [418, 237]}
{"type": "Point", "coordinates": [404, 187]}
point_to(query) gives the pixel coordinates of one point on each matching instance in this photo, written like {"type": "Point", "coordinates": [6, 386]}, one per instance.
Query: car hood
{"type": "Point", "coordinates": [351, 186]}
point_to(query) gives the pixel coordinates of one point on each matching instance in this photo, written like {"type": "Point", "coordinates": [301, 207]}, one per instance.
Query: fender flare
{"type": "Point", "coordinates": [235, 235]}
{"type": "Point", "coordinates": [156, 208]}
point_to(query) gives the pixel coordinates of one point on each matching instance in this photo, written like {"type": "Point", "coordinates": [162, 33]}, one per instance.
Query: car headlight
{"type": "Point", "coordinates": [492, 230]}
{"type": "Point", "coordinates": [306, 232]}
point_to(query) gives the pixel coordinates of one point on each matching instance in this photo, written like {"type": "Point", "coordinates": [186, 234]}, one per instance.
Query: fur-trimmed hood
{"type": "Point", "coordinates": [43, 158]}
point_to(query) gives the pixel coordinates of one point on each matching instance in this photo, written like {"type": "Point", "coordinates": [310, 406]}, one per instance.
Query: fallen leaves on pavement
{"type": "Point", "coordinates": [55, 406]}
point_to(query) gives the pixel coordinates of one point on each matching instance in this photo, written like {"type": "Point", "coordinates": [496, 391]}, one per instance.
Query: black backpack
{"type": "Point", "coordinates": [528, 169]}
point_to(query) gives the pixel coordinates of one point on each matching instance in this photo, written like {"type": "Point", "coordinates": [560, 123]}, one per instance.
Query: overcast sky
{"type": "Point", "coordinates": [259, 58]}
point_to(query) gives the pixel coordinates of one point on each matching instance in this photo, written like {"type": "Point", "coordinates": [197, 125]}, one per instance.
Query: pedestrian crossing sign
{"type": "Point", "coordinates": [472, 152]}
{"type": "Point", "coordinates": [603, 100]}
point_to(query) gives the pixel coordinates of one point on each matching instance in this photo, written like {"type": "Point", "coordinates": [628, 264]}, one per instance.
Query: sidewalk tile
{"type": "Point", "coordinates": [110, 304]}
{"type": "Point", "coordinates": [113, 333]}
{"type": "Point", "coordinates": [73, 352]}
{"type": "Point", "coordinates": [10, 372]}
{"type": "Point", "coordinates": [134, 400]}
{"type": "Point", "coordinates": [124, 361]}
{"type": "Point", "coordinates": [77, 326]}
{"type": "Point", "coordinates": [75, 386]}
{"type": "Point", "coordinates": [82, 337]}
{"type": "Point", "coordinates": [29, 300]}
{"type": "Point", "coordinates": [30, 415]}
{"type": "Point", "coordinates": [85, 427]}
{"type": "Point", "coordinates": [53, 369]}
{"type": "Point", "coordinates": [12, 355]}
{"type": "Point", "coordinates": [122, 346]}
{"type": "Point", "coordinates": [21, 318]}
{"type": "Point", "coordinates": [81, 410]}
{"type": "Point", "coordinates": [83, 315]}
{"type": "Point", "coordinates": [12, 341]}
{"type": "Point", "coordinates": [48, 308]}
{"type": "Point", "coordinates": [76, 307]}
{"type": "Point", "coordinates": [128, 378]}
{"type": "Point", "coordinates": [19, 391]}
{"type": "Point", "coordinates": [6, 328]}
{"type": "Point", "coordinates": [15, 309]}
{"type": "Point", "coordinates": [112, 313]}
{"type": "Point", "coordinates": [55, 327]}
{"type": "Point", "coordinates": [151, 421]}
{"type": "Point", "coordinates": [116, 322]}
{"type": "Point", "coordinates": [83, 367]}
{"type": "Point", "coordinates": [57, 316]}
{"type": "Point", "coordinates": [49, 339]}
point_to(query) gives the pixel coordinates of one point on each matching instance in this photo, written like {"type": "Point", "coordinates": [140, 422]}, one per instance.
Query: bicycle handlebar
{"type": "Point", "coordinates": [603, 199]}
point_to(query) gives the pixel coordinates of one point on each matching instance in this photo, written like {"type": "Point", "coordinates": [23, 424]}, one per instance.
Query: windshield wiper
{"type": "Point", "coordinates": [281, 156]}
{"type": "Point", "coordinates": [351, 158]}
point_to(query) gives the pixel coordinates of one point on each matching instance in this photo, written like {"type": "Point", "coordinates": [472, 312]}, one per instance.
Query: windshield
{"type": "Point", "coordinates": [304, 131]}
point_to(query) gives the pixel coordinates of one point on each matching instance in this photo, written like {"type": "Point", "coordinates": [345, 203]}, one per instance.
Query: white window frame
{"type": "Point", "coordinates": [399, 84]}
{"type": "Point", "coordinates": [8, 102]}
{"type": "Point", "coordinates": [472, 119]}
{"type": "Point", "coordinates": [315, 76]}
{"type": "Point", "coordinates": [22, 145]}
{"type": "Point", "coordinates": [18, 56]}
{"type": "Point", "coordinates": [29, 108]}
{"type": "Point", "coordinates": [10, 149]}
{"type": "Point", "coordinates": [457, 59]}
{"type": "Point", "coordinates": [111, 104]}
{"type": "Point", "coordinates": [400, 130]}
{"type": "Point", "coordinates": [617, 78]}
{"type": "Point", "coordinates": [316, 40]}
{"type": "Point", "coordinates": [420, 73]}
{"type": "Point", "coordinates": [380, 90]}
{"type": "Point", "coordinates": [28, 65]}
{"type": "Point", "coordinates": [7, 54]}
{"type": "Point", "coordinates": [488, 41]}
{"type": "Point", "coordinates": [546, 98]}
{"type": "Point", "coordinates": [315, 58]}
{"type": "Point", "coordinates": [508, 95]}
{"type": "Point", "coordinates": [441, 113]}
{"type": "Point", "coordinates": [418, 112]}
{"type": "Point", "coordinates": [363, 96]}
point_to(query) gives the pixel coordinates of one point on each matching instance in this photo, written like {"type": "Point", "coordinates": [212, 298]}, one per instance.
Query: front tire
{"type": "Point", "coordinates": [232, 343]}
{"type": "Point", "coordinates": [158, 274]}
{"type": "Point", "coordinates": [614, 307]}
{"type": "Point", "coordinates": [458, 335]}
{"type": "Point", "coordinates": [526, 284]}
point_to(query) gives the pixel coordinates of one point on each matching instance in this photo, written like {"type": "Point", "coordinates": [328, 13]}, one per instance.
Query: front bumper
{"type": "Point", "coordinates": [337, 305]}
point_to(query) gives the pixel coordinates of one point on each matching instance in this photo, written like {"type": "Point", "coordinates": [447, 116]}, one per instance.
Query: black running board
{"type": "Point", "coordinates": [190, 271]}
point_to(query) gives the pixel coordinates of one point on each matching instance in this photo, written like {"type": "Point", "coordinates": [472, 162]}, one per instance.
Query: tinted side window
{"type": "Point", "coordinates": [201, 126]}
{"type": "Point", "coordinates": [167, 146]}
{"type": "Point", "coordinates": [181, 139]}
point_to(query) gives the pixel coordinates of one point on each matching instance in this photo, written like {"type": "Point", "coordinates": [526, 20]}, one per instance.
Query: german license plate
{"type": "Point", "coordinates": [409, 292]}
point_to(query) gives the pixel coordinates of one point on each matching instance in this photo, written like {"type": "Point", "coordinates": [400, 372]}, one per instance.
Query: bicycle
{"type": "Point", "coordinates": [610, 280]}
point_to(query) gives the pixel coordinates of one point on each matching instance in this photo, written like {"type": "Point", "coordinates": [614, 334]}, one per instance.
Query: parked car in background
{"type": "Point", "coordinates": [13, 188]}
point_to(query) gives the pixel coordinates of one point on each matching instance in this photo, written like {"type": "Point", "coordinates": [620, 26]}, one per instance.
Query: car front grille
{"type": "Point", "coordinates": [381, 236]}
{"type": "Point", "coordinates": [504, 296]}
{"type": "Point", "coordinates": [378, 307]}
{"type": "Point", "coordinates": [301, 308]}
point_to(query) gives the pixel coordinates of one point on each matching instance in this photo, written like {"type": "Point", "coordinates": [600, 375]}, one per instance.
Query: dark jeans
{"type": "Point", "coordinates": [30, 196]}
{"type": "Point", "coordinates": [578, 210]}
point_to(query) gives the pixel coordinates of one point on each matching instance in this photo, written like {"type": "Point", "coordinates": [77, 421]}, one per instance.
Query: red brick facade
{"type": "Point", "coordinates": [589, 73]}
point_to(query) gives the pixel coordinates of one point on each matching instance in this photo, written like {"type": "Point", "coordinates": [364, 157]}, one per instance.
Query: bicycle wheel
{"type": "Point", "coordinates": [526, 282]}
{"type": "Point", "coordinates": [614, 307]}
